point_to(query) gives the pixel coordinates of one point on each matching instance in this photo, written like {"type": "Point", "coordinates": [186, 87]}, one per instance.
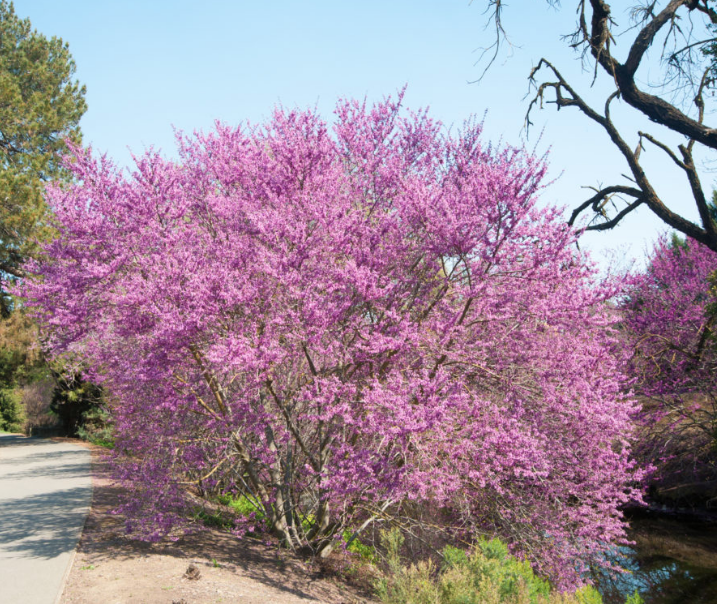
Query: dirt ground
{"type": "Point", "coordinates": [109, 568]}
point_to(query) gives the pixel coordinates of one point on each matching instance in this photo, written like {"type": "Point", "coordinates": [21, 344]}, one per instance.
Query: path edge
{"type": "Point", "coordinates": [73, 555]}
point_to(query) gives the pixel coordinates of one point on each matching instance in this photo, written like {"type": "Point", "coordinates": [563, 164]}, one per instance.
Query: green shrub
{"type": "Point", "coordinates": [634, 599]}
{"type": "Point", "coordinates": [242, 505]}
{"type": "Point", "coordinates": [96, 427]}
{"type": "Point", "coordinates": [12, 416]}
{"type": "Point", "coordinates": [491, 562]}
{"type": "Point", "coordinates": [487, 574]}
{"type": "Point", "coordinates": [365, 552]}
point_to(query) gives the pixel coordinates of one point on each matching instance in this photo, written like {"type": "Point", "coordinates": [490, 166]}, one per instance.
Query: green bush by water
{"type": "Point", "coordinates": [487, 574]}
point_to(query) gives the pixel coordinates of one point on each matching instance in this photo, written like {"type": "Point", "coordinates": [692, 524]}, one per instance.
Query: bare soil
{"type": "Point", "coordinates": [110, 568]}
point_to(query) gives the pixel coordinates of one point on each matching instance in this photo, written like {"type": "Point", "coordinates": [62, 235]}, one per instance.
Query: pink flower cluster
{"type": "Point", "coordinates": [670, 316]}
{"type": "Point", "coordinates": [332, 324]}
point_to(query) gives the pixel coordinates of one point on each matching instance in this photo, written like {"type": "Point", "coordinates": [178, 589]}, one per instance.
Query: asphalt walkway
{"type": "Point", "coordinates": [45, 492]}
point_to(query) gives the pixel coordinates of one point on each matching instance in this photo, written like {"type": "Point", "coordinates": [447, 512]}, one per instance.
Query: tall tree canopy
{"type": "Point", "coordinates": [339, 328]}
{"type": "Point", "coordinates": [40, 107]}
{"type": "Point", "coordinates": [678, 98]}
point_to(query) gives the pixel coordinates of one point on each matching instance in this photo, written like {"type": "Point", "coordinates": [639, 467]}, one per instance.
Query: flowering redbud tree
{"type": "Point", "coordinates": [331, 326]}
{"type": "Point", "coordinates": [670, 313]}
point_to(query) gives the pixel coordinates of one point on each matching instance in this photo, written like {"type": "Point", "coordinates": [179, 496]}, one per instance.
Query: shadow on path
{"type": "Point", "coordinates": [43, 525]}
{"type": "Point", "coordinates": [45, 492]}
{"type": "Point", "coordinates": [18, 440]}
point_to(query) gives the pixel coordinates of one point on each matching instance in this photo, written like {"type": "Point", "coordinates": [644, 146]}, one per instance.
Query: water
{"type": "Point", "coordinates": [672, 562]}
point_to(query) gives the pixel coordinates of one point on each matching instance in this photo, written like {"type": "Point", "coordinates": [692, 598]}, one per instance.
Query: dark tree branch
{"type": "Point", "coordinates": [670, 25]}
{"type": "Point", "coordinates": [655, 108]}
{"type": "Point", "coordinates": [597, 200]}
{"type": "Point", "coordinates": [574, 100]}
{"type": "Point", "coordinates": [645, 38]}
{"type": "Point", "coordinates": [600, 36]}
{"type": "Point", "coordinates": [662, 146]}
{"type": "Point", "coordinates": [647, 194]}
{"type": "Point", "coordinates": [13, 270]}
{"type": "Point", "coordinates": [698, 193]}
{"type": "Point", "coordinates": [9, 147]}
{"type": "Point", "coordinates": [699, 100]}
{"type": "Point", "coordinates": [559, 92]}
{"type": "Point", "coordinates": [704, 7]}
{"type": "Point", "coordinates": [604, 226]}
{"type": "Point", "coordinates": [664, 113]}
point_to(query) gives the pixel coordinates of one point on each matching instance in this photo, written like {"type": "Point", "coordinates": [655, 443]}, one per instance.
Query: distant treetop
{"type": "Point", "coordinates": [40, 107]}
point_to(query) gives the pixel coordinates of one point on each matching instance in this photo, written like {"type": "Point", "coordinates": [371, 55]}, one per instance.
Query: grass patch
{"type": "Point", "coordinates": [365, 552]}
{"type": "Point", "coordinates": [240, 509]}
{"type": "Point", "coordinates": [212, 519]}
{"type": "Point", "coordinates": [107, 443]}
{"type": "Point", "coordinates": [242, 505]}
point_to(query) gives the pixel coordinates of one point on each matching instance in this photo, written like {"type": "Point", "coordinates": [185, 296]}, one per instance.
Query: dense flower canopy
{"type": "Point", "coordinates": [670, 315]}
{"type": "Point", "coordinates": [335, 325]}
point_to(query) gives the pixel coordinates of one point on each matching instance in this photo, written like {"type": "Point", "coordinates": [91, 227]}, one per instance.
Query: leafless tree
{"type": "Point", "coordinates": [684, 33]}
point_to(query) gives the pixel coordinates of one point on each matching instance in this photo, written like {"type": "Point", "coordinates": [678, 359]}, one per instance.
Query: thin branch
{"type": "Point", "coordinates": [603, 226]}
{"type": "Point", "coordinates": [500, 35]}
{"type": "Point", "coordinates": [601, 195]}
{"type": "Point", "coordinates": [292, 427]}
{"type": "Point", "coordinates": [210, 379]}
{"type": "Point", "coordinates": [664, 147]}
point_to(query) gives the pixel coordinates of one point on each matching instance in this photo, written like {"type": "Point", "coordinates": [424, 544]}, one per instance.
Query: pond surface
{"type": "Point", "coordinates": [672, 562]}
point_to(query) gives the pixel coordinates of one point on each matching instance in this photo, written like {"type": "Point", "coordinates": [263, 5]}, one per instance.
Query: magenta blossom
{"type": "Point", "coordinates": [334, 325]}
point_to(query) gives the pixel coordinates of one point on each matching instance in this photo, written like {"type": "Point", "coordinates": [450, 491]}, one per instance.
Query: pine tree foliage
{"type": "Point", "coordinates": [40, 107]}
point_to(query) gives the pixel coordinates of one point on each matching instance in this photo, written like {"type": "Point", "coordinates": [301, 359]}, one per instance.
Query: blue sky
{"type": "Point", "coordinates": [153, 65]}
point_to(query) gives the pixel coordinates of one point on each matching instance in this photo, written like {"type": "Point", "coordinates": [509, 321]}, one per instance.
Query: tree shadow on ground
{"type": "Point", "coordinates": [105, 537]}
{"type": "Point", "coordinates": [19, 440]}
{"type": "Point", "coordinates": [45, 525]}
{"type": "Point", "coordinates": [54, 466]}
{"type": "Point", "coordinates": [44, 499]}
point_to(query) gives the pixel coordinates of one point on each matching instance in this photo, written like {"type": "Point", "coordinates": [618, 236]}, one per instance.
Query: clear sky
{"type": "Point", "coordinates": [154, 65]}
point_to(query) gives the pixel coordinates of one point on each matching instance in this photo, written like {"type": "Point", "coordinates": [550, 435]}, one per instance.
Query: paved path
{"type": "Point", "coordinates": [45, 492]}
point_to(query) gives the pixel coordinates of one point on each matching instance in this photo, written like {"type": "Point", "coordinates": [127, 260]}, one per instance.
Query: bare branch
{"type": "Point", "coordinates": [292, 427]}
{"type": "Point", "coordinates": [559, 88]}
{"type": "Point", "coordinates": [500, 35]}
{"type": "Point", "coordinates": [603, 226]}
{"type": "Point", "coordinates": [600, 196]}
{"type": "Point", "coordinates": [698, 193]}
{"type": "Point", "coordinates": [210, 379]}
{"type": "Point", "coordinates": [647, 35]}
{"type": "Point", "coordinates": [662, 146]}
{"type": "Point", "coordinates": [668, 24]}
